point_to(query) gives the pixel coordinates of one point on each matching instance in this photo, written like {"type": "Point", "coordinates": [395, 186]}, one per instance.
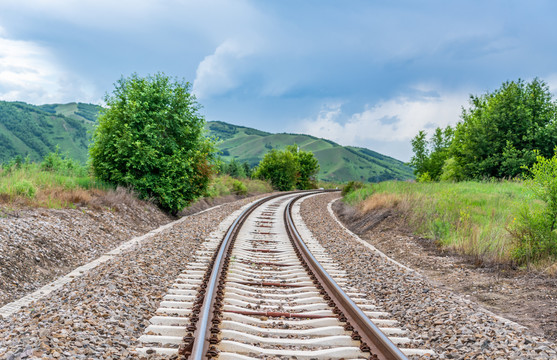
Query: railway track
{"type": "Point", "coordinates": [261, 292]}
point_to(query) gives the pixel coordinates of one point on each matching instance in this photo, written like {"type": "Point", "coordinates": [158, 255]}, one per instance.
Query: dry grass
{"type": "Point", "coordinates": [380, 201]}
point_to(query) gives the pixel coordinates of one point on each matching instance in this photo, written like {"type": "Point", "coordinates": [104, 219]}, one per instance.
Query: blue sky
{"type": "Point", "coordinates": [363, 73]}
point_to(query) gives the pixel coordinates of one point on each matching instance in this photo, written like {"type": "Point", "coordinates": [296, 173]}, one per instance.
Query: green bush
{"type": "Point", "coordinates": [289, 168]}
{"type": "Point", "coordinates": [151, 138]}
{"type": "Point", "coordinates": [239, 188]}
{"type": "Point", "coordinates": [351, 186]}
{"type": "Point", "coordinates": [535, 231]}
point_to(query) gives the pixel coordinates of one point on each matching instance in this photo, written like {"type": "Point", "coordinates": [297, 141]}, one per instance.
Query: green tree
{"type": "Point", "coordinates": [288, 168]}
{"type": "Point", "coordinates": [308, 167]}
{"type": "Point", "coordinates": [280, 168]}
{"type": "Point", "coordinates": [150, 137]}
{"type": "Point", "coordinates": [430, 156]}
{"type": "Point", "coordinates": [501, 130]}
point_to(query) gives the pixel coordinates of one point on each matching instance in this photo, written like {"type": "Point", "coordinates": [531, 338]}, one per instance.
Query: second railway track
{"type": "Point", "coordinates": [262, 292]}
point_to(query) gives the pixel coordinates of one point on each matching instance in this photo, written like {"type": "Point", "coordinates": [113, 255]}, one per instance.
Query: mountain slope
{"type": "Point", "coordinates": [338, 163]}
{"type": "Point", "coordinates": [34, 131]}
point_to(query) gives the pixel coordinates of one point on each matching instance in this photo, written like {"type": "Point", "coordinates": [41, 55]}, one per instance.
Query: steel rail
{"type": "Point", "coordinates": [379, 344]}
{"type": "Point", "coordinates": [201, 336]}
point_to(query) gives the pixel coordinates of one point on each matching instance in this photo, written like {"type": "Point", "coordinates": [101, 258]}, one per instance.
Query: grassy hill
{"type": "Point", "coordinates": [338, 163]}
{"type": "Point", "coordinates": [34, 131]}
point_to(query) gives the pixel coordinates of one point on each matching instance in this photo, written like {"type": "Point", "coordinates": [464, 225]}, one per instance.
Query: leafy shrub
{"type": "Point", "coordinates": [239, 188]}
{"type": "Point", "coordinates": [150, 138]}
{"type": "Point", "coordinates": [534, 231]}
{"type": "Point", "coordinates": [351, 186]}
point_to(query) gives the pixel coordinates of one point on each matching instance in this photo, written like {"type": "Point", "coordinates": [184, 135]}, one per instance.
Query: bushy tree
{"type": "Point", "coordinates": [308, 167]}
{"type": "Point", "coordinates": [150, 137]}
{"type": "Point", "coordinates": [280, 168]}
{"type": "Point", "coordinates": [430, 156]}
{"type": "Point", "coordinates": [288, 168]}
{"type": "Point", "coordinates": [501, 130]}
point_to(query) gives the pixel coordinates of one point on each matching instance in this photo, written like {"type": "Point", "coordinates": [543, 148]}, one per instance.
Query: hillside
{"type": "Point", "coordinates": [34, 131]}
{"type": "Point", "coordinates": [338, 163]}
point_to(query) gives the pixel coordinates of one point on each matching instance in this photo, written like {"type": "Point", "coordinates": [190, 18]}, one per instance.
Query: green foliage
{"type": "Point", "coordinates": [62, 164]}
{"type": "Point", "coordinates": [337, 163]}
{"type": "Point", "coordinates": [280, 168]}
{"type": "Point", "coordinates": [151, 138]}
{"type": "Point", "coordinates": [289, 168]}
{"type": "Point", "coordinates": [225, 185]}
{"type": "Point", "coordinates": [34, 131]}
{"type": "Point", "coordinates": [351, 186]}
{"type": "Point", "coordinates": [535, 231]}
{"type": "Point", "coordinates": [469, 217]}
{"type": "Point", "coordinates": [497, 136]}
{"type": "Point", "coordinates": [430, 156]}
{"type": "Point", "coordinates": [451, 171]}
{"type": "Point", "coordinates": [24, 188]}
{"type": "Point", "coordinates": [500, 132]}
{"type": "Point", "coordinates": [239, 188]}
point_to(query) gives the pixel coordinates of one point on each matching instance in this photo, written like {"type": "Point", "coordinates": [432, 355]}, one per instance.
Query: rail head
{"type": "Point", "coordinates": [380, 345]}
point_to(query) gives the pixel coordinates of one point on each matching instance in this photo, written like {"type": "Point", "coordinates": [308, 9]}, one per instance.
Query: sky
{"type": "Point", "coordinates": [361, 73]}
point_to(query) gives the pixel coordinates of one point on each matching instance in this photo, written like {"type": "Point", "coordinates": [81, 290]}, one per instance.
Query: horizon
{"type": "Point", "coordinates": [364, 74]}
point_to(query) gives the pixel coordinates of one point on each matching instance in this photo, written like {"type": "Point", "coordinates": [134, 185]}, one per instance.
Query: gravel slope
{"type": "Point", "coordinates": [38, 245]}
{"type": "Point", "coordinates": [437, 318]}
{"type": "Point", "coordinates": [101, 314]}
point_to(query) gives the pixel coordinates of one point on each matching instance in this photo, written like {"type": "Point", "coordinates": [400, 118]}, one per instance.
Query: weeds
{"type": "Point", "coordinates": [468, 217]}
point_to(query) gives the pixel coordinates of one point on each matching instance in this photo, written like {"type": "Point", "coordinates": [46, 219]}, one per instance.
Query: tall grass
{"type": "Point", "coordinates": [224, 185]}
{"type": "Point", "coordinates": [57, 182]}
{"type": "Point", "coordinates": [469, 217]}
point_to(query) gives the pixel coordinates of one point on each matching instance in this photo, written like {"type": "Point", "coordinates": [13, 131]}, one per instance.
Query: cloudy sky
{"type": "Point", "coordinates": [363, 73]}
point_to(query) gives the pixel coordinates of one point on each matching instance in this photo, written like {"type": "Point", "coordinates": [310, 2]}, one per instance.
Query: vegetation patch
{"type": "Point", "coordinates": [469, 217]}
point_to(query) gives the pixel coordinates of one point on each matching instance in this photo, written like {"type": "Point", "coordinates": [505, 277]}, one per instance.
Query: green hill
{"type": "Point", "coordinates": [34, 131]}
{"type": "Point", "coordinates": [338, 163]}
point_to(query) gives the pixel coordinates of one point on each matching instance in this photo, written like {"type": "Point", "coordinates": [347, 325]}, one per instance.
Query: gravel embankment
{"type": "Point", "coordinates": [101, 314]}
{"type": "Point", "coordinates": [436, 318]}
{"type": "Point", "coordinates": [38, 245]}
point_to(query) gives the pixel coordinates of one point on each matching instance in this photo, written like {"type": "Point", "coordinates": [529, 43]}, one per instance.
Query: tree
{"type": "Point", "coordinates": [430, 156]}
{"type": "Point", "coordinates": [288, 168]}
{"type": "Point", "coordinates": [280, 168]}
{"type": "Point", "coordinates": [150, 137]}
{"type": "Point", "coordinates": [308, 167]}
{"type": "Point", "coordinates": [501, 130]}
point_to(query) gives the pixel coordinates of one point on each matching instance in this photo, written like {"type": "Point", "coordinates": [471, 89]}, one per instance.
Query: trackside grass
{"type": "Point", "coordinates": [472, 218]}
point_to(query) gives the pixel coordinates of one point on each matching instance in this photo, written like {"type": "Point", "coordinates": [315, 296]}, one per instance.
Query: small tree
{"type": "Point", "coordinates": [280, 168]}
{"type": "Point", "coordinates": [150, 137]}
{"type": "Point", "coordinates": [308, 167]}
{"type": "Point", "coordinates": [289, 168]}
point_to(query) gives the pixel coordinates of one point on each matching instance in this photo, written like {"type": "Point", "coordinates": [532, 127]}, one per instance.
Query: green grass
{"type": "Point", "coordinates": [469, 217]}
{"type": "Point", "coordinates": [30, 185]}
{"type": "Point", "coordinates": [224, 185]}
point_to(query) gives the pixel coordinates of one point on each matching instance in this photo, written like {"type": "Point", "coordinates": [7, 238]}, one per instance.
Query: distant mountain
{"type": "Point", "coordinates": [338, 163]}
{"type": "Point", "coordinates": [34, 131]}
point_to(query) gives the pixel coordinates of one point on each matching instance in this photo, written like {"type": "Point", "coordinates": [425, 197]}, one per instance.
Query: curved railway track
{"type": "Point", "coordinates": [261, 292]}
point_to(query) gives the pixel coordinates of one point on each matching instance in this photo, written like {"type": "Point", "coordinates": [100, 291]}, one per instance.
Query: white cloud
{"type": "Point", "coordinates": [221, 71]}
{"type": "Point", "coordinates": [29, 72]}
{"type": "Point", "coordinates": [396, 120]}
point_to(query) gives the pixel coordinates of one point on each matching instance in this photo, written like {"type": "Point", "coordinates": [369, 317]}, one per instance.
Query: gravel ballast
{"type": "Point", "coordinates": [101, 314]}
{"type": "Point", "coordinates": [437, 319]}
